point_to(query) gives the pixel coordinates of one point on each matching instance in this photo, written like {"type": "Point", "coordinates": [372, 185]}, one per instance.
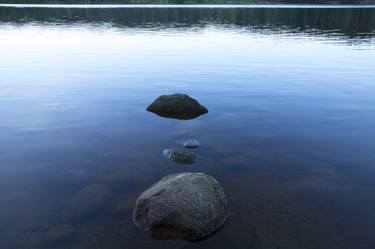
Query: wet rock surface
{"type": "Point", "coordinates": [181, 156]}
{"type": "Point", "coordinates": [178, 106]}
{"type": "Point", "coordinates": [88, 202]}
{"type": "Point", "coordinates": [188, 206]}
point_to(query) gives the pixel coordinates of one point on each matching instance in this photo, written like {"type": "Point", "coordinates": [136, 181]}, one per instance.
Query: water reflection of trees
{"type": "Point", "coordinates": [348, 23]}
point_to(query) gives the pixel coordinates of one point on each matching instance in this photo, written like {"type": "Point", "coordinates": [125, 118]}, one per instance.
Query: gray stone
{"type": "Point", "coordinates": [88, 202]}
{"type": "Point", "coordinates": [179, 106]}
{"type": "Point", "coordinates": [181, 156]}
{"type": "Point", "coordinates": [188, 206]}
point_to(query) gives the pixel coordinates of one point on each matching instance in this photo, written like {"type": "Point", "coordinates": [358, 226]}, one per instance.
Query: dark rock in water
{"type": "Point", "coordinates": [181, 156]}
{"type": "Point", "coordinates": [188, 206]}
{"type": "Point", "coordinates": [179, 106]}
{"type": "Point", "coordinates": [58, 233]}
{"type": "Point", "coordinates": [191, 143]}
{"type": "Point", "coordinates": [88, 202]}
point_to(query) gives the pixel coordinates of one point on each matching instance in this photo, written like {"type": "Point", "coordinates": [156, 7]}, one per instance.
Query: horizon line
{"type": "Point", "coordinates": [207, 6]}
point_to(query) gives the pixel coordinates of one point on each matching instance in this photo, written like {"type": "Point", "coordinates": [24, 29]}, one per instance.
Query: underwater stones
{"type": "Point", "coordinates": [190, 143]}
{"type": "Point", "coordinates": [87, 202]}
{"type": "Point", "coordinates": [187, 206]}
{"type": "Point", "coordinates": [58, 233]}
{"type": "Point", "coordinates": [74, 177]}
{"type": "Point", "coordinates": [178, 106]}
{"type": "Point", "coordinates": [181, 156]}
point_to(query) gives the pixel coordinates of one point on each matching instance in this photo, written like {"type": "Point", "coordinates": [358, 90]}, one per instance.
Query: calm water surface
{"type": "Point", "coordinates": [290, 132]}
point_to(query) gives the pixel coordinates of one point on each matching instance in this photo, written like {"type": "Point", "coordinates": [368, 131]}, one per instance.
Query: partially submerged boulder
{"type": "Point", "coordinates": [181, 156]}
{"type": "Point", "coordinates": [188, 206]}
{"type": "Point", "coordinates": [87, 202]}
{"type": "Point", "coordinates": [179, 106]}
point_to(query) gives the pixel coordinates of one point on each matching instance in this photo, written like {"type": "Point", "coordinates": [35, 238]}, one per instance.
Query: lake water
{"type": "Point", "coordinates": [289, 134]}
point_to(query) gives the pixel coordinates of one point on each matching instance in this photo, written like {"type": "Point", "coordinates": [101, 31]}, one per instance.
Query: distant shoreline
{"type": "Point", "coordinates": [188, 2]}
{"type": "Point", "coordinates": [208, 6]}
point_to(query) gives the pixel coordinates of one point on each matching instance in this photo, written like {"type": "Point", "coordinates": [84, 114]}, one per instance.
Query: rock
{"type": "Point", "coordinates": [190, 143]}
{"type": "Point", "coordinates": [181, 156]}
{"type": "Point", "coordinates": [179, 106]}
{"type": "Point", "coordinates": [88, 202]}
{"type": "Point", "coordinates": [58, 233]}
{"type": "Point", "coordinates": [188, 206]}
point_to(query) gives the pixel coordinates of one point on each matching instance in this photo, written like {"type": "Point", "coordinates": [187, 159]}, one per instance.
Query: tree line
{"type": "Point", "coordinates": [186, 1]}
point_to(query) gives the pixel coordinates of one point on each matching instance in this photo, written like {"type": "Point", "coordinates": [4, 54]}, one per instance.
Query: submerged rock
{"type": "Point", "coordinates": [190, 143]}
{"type": "Point", "coordinates": [88, 202]}
{"type": "Point", "coordinates": [188, 206]}
{"type": "Point", "coordinates": [73, 177]}
{"type": "Point", "coordinates": [58, 233]}
{"type": "Point", "coordinates": [179, 106]}
{"type": "Point", "coordinates": [181, 156]}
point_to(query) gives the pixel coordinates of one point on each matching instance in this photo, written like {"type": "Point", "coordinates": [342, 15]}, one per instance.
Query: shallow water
{"type": "Point", "coordinates": [289, 133]}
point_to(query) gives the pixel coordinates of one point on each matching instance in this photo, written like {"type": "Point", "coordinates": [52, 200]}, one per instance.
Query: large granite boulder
{"type": "Point", "coordinates": [87, 202]}
{"type": "Point", "coordinates": [188, 206]}
{"type": "Point", "coordinates": [179, 106]}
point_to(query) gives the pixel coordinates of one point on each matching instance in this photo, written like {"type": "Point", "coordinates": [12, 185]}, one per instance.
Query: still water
{"type": "Point", "coordinates": [289, 133]}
